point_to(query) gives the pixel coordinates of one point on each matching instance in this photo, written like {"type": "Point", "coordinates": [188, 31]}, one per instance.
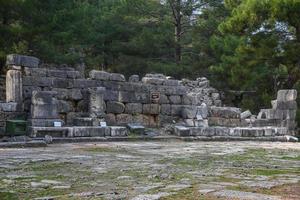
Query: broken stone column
{"type": "Point", "coordinates": [97, 104]}
{"type": "Point", "coordinates": [14, 86]}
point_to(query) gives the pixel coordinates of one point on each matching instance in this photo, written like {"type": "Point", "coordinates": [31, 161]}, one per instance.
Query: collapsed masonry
{"type": "Point", "coordinates": [60, 101]}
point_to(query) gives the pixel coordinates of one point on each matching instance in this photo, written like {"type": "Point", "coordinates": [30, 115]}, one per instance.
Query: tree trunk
{"type": "Point", "coordinates": [178, 30]}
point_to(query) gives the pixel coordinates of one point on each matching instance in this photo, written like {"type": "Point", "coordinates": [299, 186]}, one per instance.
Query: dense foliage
{"type": "Point", "coordinates": [251, 45]}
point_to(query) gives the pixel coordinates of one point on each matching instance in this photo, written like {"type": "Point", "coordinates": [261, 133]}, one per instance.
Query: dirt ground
{"type": "Point", "coordinates": [152, 170]}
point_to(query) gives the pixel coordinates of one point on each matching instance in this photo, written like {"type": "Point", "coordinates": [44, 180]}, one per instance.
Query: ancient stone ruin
{"type": "Point", "coordinates": [62, 102]}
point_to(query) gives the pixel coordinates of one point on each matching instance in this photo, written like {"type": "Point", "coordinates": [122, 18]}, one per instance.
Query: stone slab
{"type": "Point", "coordinates": [20, 60]}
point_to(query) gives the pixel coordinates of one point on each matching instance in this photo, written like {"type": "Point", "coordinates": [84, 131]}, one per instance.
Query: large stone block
{"type": "Point", "coordinates": [123, 119]}
{"type": "Point", "coordinates": [287, 95]}
{"type": "Point", "coordinates": [84, 121]}
{"type": "Point", "coordinates": [99, 75]}
{"type": "Point", "coordinates": [9, 107]}
{"type": "Point", "coordinates": [284, 105]}
{"type": "Point", "coordinates": [44, 105]}
{"type": "Point", "coordinates": [96, 102]}
{"type": "Point", "coordinates": [219, 121]}
{"type": "Point", "coordinates": [136, 128]}
{"type": "Point", "coordinates": [117, 77]}
{"type": "Point", "coordinates": [276, 114]}
{"type": "Point", "coordinates": [246, 114]}
{"type": "Point", "coordinates": [165, 109]}
{"type": "Point", "coordinates": [64, 106]}
{"type": "Point", "coordinates": [84, 83]}
{"type": "Point", "coordinates": [154, 81]}
{"type": "Point", "coordinates": [118, 131]}
{"type": "Point", "coordinates": [20, 60]}
{"type": "Point", "coordinates": [115, 107]}
{"type": "Point", "coordinates": [75, 94]}
{"type": "Point", "coordinates": [182, 131]}
{"type": "Point", "coordinates": [44, 122]}
{"type": "Point", "coordinates": [152, 109]}
{"type": "Point", "coordinates": [176, 110]}
{"type": "Point", "coordinates": [37, 81]}
{"type": "Point", "coordinates": [110, 119]}
{"type": "Point", "coordinates": [189, 112]}
{"type": "Point", "coordinates": [134, 78]}
{"type": "Point", "coordinates": [111, 95]}
{"type": "Point", "coordinates": [14, 90]}
{"type": "Point", "coordinates": [175, 99]}
{"type": "Point", "coordinates": [90, 131]}
{"type": "Point", "coordinates": [133, 108]}
{"type": "Point", "coordinates": [225, 112]}
{"type": "Point", "coordinates": [40, 72]}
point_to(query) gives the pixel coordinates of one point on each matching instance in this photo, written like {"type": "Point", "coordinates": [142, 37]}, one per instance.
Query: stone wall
{"type": "Point", "coordinates": [125, 101]}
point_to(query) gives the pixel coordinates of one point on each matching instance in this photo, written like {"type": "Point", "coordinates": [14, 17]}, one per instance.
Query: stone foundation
{"type": "Point", "coordinates": [59, 94]}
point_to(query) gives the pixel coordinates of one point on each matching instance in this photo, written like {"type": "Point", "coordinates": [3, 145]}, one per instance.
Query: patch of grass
{"type": "Point", "coordinates": [190, 193]}
{"type": "Point", "coordinates": [99, 149]}
{"type": "Point", "coordinates": [8, 196]}
{"type": "Point", "coordinates": [273, 172]}
{"type": "Point", "coordinates": [297, 158]}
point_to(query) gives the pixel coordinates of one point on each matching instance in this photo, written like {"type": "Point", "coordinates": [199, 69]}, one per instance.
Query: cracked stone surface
{"type": "Point", "coordinates": [152, 170]}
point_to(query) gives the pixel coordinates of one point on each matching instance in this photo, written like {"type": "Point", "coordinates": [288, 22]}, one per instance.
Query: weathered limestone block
{"type": "Point", "coordinates": [61, 93]}
{"type": "Point", "coordinates": [62, 83]}
{"type": "Point", "coordinates": [276, 114]}
{"type": "Point", "coordinates": [134, 78]}
{"type": "Point", "coordinates": [124, 119]}
{"type": "Point", "coordinates": [83, 121]}
{"type": "Point", "coordinates": [202, 110]}
{"type": "Point", "coordinates": [40, 72]}
{"type": "Point", "coordinates": [44, 122]}
{"type": "Point", "coordinates": [163, 99]}
{"type": "Point", "coordinates": [99, 75]}
{"type": "Point", "coordinates": [70, 117]}
{"type": "Point", "coordinates": [141, 97]}
{"type": "Point", "coordinates": [20, 60]}
{"type": "Point", "coordinates": [284, 105]}
{"type": "Point", "coordinates": [136, 128]}
{"type": "Point", "coordinates": [189, 112]}
{"type": "Point", "coordinates": [110, 95]}
{"type": "Point", "coordinates": [192, 98]}
{"type": "Point", "coordinates": [219, 121]}
{"type": "Point", "coordinates": [171, 82]}
{"type": "Point", "coordinates": [84, 83]}
{"type": "Point", "coordinates": [225, 112]}
{"type": "Point", "coordinates": [150, 121]}
{"type": "Point", "coordinates": [118, 131]}
{"type": "Point", "coordinates": [175, 99]}
{"type": "Point", "coordinates": [64, 106]}
{"type": "Point", "coordinates": [115, 107]}
{"type": "Point", "coordinates": [133, 108]}
{"type": "Point", "coordinates": [75, 94]}
{"type": "Point", "coordinates": [182, 131]}
{"type": "Point", "coordinates": [201, 123]}
{"type": "Point", "coordinates": [44, 105]}
{"type": "Point", "coordinates": [246, 114]}
{"type": "Point", "coordinates": [161, 76]}
{"type": "Point", "coordinates": [37, 81]}
{"type": "Point", "coordinates": [8, 107]}
{"type": "Point", "coordinates": [222, 131]}
{"type": "Point", "coordinates": [152, 109]}
{"type": "Point", "coordinates": [117, 77]}
{"type": "Point", "coordinates": [96, 102]}
{"type": "Point", "coordinates": [154, 81]}
{"type": "Point", "coordinates": [176, 110]}
{"type": "Point", "coordinates": [110, 119]}
{"type": "Point", "coordinates": [126, 97]}
{"type": "Point", "coordinates": [166, 119]}
{"type": "Point", "coordinates": [14, 91]}
{"type": "Point", "coordinates": [165, 109]}
{"type": "Point", "coordinates": [138, 118]}
{"type": "Point", "coordinates": [90, 131]}
{"type": "Point", "coordinates": [27, 91]}
{"type": "Point", "coordinates": [287, 95]}
{"type": "Point", "coordinates": [189, 122]}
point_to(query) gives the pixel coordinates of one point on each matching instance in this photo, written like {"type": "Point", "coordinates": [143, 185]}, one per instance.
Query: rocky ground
{"type": "Point", "coordinates": [152, 170]}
